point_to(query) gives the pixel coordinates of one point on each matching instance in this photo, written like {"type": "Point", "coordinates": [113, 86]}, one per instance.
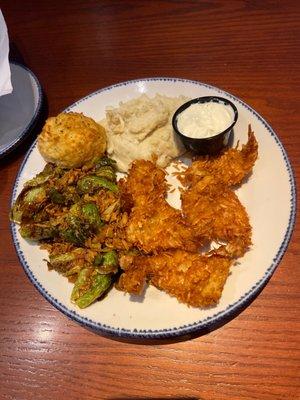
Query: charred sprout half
{"type": "Point", "coordinates": [89, 286]}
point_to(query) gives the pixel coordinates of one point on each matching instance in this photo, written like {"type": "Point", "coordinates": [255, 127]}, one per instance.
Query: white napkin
{"type": "Point", "coordinates": [5, 79]}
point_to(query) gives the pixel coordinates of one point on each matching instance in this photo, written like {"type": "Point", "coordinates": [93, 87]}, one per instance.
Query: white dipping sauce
{"type": "Point", "coordinates": [202, 120]}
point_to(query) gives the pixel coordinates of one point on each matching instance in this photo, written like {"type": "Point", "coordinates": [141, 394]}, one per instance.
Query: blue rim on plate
{"type": "Point", "coordinates": [31, 124]}
{"type": "Point", "coordinates": [183, 330]}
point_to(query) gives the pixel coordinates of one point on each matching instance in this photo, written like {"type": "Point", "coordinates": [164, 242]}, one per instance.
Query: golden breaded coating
{"type": "Point", "coordinates": [192, 278]}
{"type": "Point", "coordinates": [145, 180]}
{"type": "Point", "coordinates": [157, 227]}
{"type": "Point", "coordinates": [133, 279]}
{"type": "Point", "coordinates": [230, 168]}
{"type": "Point", "coordinates": [153, 225]}
{"type": "Point", "coordinates": [217, 214]}
{"type": "Point", "coordinates": [71, 140]}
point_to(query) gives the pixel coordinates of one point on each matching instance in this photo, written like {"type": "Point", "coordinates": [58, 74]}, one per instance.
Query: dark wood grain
{"type": "Point", "coordinates": [249, 48]}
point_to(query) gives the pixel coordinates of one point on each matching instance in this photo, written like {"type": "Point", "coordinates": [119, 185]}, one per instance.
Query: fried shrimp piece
{"type": "Point", "coordinates": [230, 168]}
{"type": "Point", "coordinates": [192, 278]}
{"type": "Point", "coordinates": [145, 180]}
{"type": "Point", "coordinates": [153, 225]}
{"type": "Point", "coordinates": [157, 227]}
{"type": "Point", "coordinates": [217, 214]}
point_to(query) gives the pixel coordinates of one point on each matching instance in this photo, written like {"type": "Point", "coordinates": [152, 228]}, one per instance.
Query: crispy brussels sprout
{"type": "Point", "coordinates": [42, 177]}
{"type": "Point", "coordinates": [89, 286]}
{"type": "Point", "coordinates": [75, 232]}
{"type": "Point", "coordinates": [110, 263]}
{"type": "Point", "coordinates": [69, 263]}
{"type": "Point", "coordinates": [38, 231]}
{"type": "Point", "coordinates": [82, 221]}
{"type": "Point", "coordinates": [98, 260]}
{"type": "Point", "coordinates": [106, 172]}
{"type": "Point", "coordinates": [60, 260]}
{"type": "Point", "coordinates": [99, 162]}
{"type": "Point", "coordinates": [35, 195]}
{"type": "Point", "coordinates": [104, 162]}
{"type": "Point", "coordinates": [91, 214]}
{"type": "Point", "coordinates": [110, 258]}
{"type": "Point", "coordinates": [107, 262]}
{"type": "Point", "coordinates": [92, 183]}
{"type": "Point", "coordinates": [56, 197]}
{"type": "Point", "coordinates": [60, 207]}
{"type": "Point", "coordinates": [28, 203]}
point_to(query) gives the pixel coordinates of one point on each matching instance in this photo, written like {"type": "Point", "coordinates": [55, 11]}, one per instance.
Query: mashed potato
{"type": "Point", "coordinates": [142, 129]}
{"type": "Point", "coordinates": [71, 140]}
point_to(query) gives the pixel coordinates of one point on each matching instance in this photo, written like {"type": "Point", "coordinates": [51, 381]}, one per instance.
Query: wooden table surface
{"type": "Point", "coordinates": [249, 48]}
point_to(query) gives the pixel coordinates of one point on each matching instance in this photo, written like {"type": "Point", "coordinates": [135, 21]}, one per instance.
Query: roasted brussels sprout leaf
{"type": "Point", "coordinates": [92, 183]}
{"type": "Point", "coordinates": [28, 203]}
{"type": "Point", "coordinates": [38, 231]}
{"type": "Point", "coordinates": [89, 286]}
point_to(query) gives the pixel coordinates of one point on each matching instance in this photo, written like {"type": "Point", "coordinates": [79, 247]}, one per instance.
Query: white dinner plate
{"type": "Point", "coordinates": [268, 195]}
{"type": "Point", "coordinates": [19, 110]}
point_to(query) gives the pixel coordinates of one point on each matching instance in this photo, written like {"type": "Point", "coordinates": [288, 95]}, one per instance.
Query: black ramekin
{"type": "Point", "coordinates": [210, 145]}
